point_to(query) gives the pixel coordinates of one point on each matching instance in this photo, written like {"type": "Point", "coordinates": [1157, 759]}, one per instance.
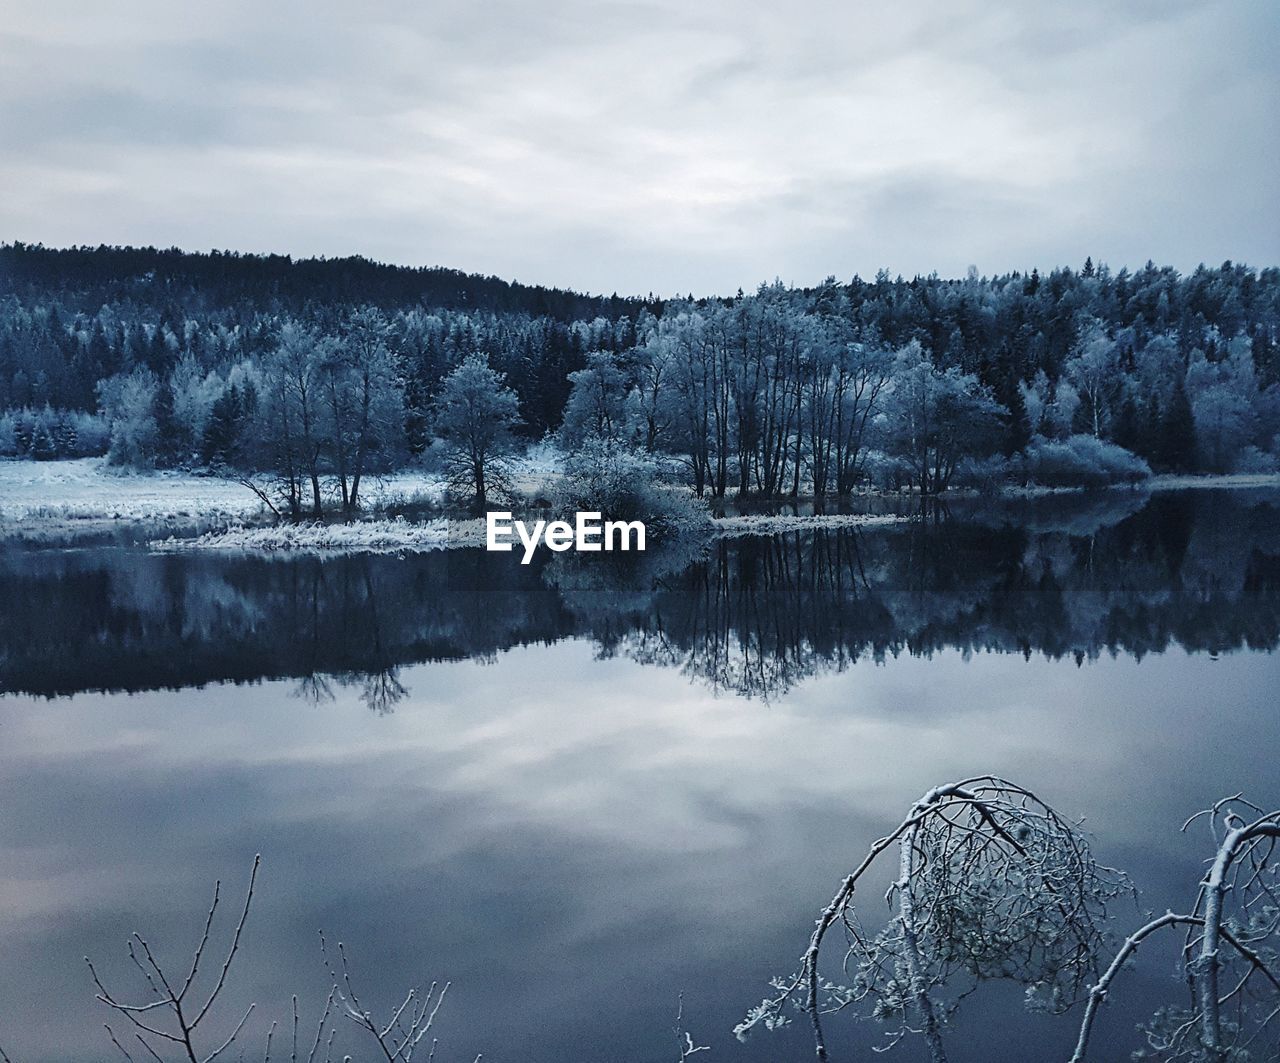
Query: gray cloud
{"type": "Point", "coordinates": [649, 146]}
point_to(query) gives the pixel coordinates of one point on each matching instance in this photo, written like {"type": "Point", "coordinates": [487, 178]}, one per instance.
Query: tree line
{"type": "Point", "coordinates": [319, 373]}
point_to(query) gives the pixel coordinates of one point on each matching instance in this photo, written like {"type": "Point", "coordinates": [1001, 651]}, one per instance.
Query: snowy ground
{"type": "Point", "coordinates": [767, 525]}
{"type": "Point", "coordinates": [1235, 479]}
{"type": "Point", "coordinates": [58, 501]}
{"type": "Point", "coordinates": [402, 536]}
{"type": "Point", "coordinates": [88, 489]}
{"type": "Point", "coordinates": [368, 536]}
{"type": "Point", "coordinates": [69, 502]}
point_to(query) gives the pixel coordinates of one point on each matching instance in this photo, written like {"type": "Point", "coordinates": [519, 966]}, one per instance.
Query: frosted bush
{"type": "Point", "coordinates": [624, 484]}
{"type": "Point", "coordinates": [1253, 460]}
{"type": "Point", "coordinates": [987, 475]}
{"type": "Point", "coordinates": [1082, 461]}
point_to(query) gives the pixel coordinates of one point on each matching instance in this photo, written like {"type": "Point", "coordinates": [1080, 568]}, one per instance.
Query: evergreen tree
{"type": "Point", "coordinates": [65, 437]}
{"type": "Point", "coordinates": [1178, 432]}
{"type": "Point", "coordinates": [221, 437]}
{"type": "Point", "coordinates": [1127, 430]}
{"type": "Point", "coordinates": [43, 447]}
{"type": "Point", "coordinates": [1018, 423]}
{"type": "Point", "coordinates": [169, 433]}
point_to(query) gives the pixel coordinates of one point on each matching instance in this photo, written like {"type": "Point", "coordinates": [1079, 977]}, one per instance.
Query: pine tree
{"type": "Point", "coordinates": [1018, 426]}
{"type": "Point", "coordinates": [1127, 430]}
{"type": "Point", "coordinates": [222, 433]}
{"type": "Point", "coordinates": [1178, 432]}
{"type": "Point", "coordinates": [43, 447]}
{"type": "Point", "coordinates": [65, 437]}
{"type": "Point", "coordinates": [169, 433]}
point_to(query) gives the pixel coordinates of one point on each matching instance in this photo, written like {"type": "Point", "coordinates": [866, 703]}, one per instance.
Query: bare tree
{"type": "Point", "coordinates": [991, 883]}
{"type": "Point", "coordinates": [171, 1019]}
{"type": "Point", "coordinates": [405, 1029]}
{"type": "Point", "coordinates": [1228, 957]}
{"type": "Point", "coordinates": [168, 1024]}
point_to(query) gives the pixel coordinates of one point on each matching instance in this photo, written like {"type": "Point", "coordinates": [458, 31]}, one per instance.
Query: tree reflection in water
{"type": "Point", "coordinates": [1064, 577]}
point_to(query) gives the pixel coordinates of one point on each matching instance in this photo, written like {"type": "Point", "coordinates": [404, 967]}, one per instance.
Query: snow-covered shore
{"type": "Point", "coordinates": [1233, 480]}
{"type": "Point", "coordinates": [62, 500]}
{"type": "Point", "coordinates": [402, 536]}
{"type": "Point", "coordinates": [367, 536]}
{"type": "Point", "coordinates": [776, 525]}
{"type": "Point", "coordinates": [87, 489]}
{"type": "Point", "coordinates": [90, 490]}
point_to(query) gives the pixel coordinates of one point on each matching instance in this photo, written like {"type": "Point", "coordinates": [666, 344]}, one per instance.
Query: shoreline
{"type": "Point", "coordinates": [66, 502]}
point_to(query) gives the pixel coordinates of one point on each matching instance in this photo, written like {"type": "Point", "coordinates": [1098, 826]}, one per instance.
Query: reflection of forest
{"type": "Point", "coordinates": [755, 616]}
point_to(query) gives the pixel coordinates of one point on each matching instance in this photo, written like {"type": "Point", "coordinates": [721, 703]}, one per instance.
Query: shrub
{"type": "Point", "coordinates": [985, 475]}
{"type": "Point", "coordinates": [92, 434]}
{"type": "Point", "coordinates": [1253, 460]}
{"type": "Point", "coordinates": [624, 484]}
{"type": "Point", "coordinates": [886, 472]}
{"type": "Point", "coordinates": [1081, 461]}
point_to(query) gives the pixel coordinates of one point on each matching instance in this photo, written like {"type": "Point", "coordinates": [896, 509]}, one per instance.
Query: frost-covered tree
{"type": "Point", "coordinates": [649, 409]}
{"type": "Point", "coordinates": [1231, 937]}
{"type": "Point", "coordinates": [363, 401]}
{"type": "Point", "coordinates": [597, 404]}
{"type": "Point", "coordinates": [863, 372]}
{"type": "Point", "coordinates": [1093, 370]}
{"type": "Point", "coordinates": [934, 417]}
{"type": "Point", "coordinates": [1223, 394]}
{"type": "Point", "coordinates": [476, 415]}
{"type": "Point", "coordinates": [194, 391]}
{"type": "Point", "coordinates": [128, 402]}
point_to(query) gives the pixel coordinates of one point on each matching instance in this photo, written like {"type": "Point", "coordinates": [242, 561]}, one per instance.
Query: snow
{"type": "Point", "coordinates": [369, 536]}
{"type": "Point", "coordinates": [1235, 479]}
{"type": "Point", "coordinates": [87, 489]}
{"type": "Point", "coordinates": [402, 536]}
{"type": "Point", "coordinates": [766, 525]}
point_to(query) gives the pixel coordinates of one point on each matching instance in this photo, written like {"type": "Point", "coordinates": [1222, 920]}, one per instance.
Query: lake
{"type": "Point", "coordinates": [581, 788]}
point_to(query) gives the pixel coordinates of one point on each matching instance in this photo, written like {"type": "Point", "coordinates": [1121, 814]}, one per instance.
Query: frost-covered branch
{"type": "Point", "coordinates": [400, 1036]}
{"type": "Point", "coordinates": [1232, 931]}
{"type": "Point", "coordinates": [991, 883]}
{"type": "Point", "coordinates": [168, 1028]}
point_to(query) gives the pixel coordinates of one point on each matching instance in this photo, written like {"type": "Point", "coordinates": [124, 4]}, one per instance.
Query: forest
{"type": "Point", "coordinates": [314, 375]}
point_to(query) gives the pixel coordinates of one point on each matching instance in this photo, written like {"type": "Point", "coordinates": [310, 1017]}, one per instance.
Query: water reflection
{"type": "Point", "coordinates": [570, 833]}
{"type": "Point", "coordinates": [1122, 573]}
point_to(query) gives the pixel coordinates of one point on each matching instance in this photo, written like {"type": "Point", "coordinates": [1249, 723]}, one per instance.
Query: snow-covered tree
{"type": "Point", "coordinates": [932, 418]}
{"type": "Point", "coordinates": [128, 401]}
{"type": "Point", "coordinates": [476, 415]}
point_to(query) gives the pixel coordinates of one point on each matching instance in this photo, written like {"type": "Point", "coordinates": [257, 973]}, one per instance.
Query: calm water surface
{"type": "Point", "coordinates": [577, 791]}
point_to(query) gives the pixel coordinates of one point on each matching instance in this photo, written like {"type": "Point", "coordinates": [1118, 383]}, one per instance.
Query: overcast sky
{"type": "Point", "coordinates": [650, 146]}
